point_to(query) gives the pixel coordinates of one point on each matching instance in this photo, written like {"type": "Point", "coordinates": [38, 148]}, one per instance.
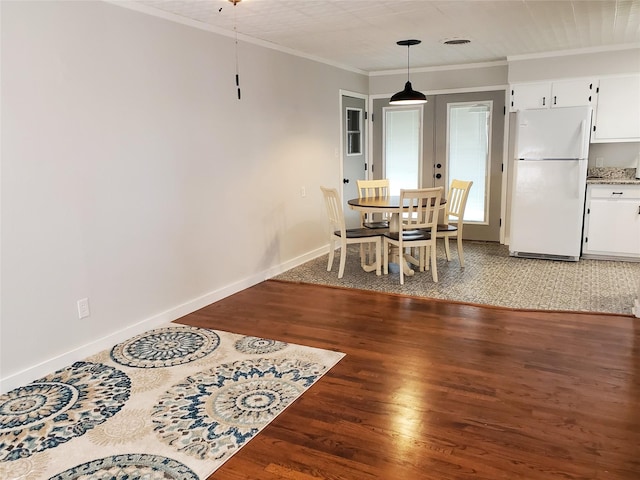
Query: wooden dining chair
{"type": "Point", "coordinates": [341, 236]}
{"type": "Point", "coordinates": [373, 188]}
{"type": "Point", "coordinates": [419, 209]}
{"type": "Point", "coordinates": [454, 210]}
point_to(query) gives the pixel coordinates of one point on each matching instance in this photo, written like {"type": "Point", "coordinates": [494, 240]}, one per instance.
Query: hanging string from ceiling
{"type": "Point", "coordinates": [235, 29]}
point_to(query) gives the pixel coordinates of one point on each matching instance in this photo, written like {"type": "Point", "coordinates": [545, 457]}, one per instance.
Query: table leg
{"type": "Point", "coordinates": [367, 256]}
{"type": "Point", "coordinates": [394, 226]}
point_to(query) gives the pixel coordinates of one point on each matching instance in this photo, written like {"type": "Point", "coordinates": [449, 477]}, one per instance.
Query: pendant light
{"type": "Point", "coordinates": [408, 96]}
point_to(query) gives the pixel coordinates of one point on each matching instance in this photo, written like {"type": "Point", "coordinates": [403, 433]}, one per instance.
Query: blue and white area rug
{"type": "Point", "coordinates": [173, 403]}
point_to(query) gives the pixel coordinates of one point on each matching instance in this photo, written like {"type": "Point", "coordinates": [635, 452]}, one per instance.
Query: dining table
{"type": "Point", "coordinates": [389, 204]}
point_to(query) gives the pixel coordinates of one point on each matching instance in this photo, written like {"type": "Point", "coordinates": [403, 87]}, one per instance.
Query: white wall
{"type": "Point", "coordinates": [574, 65]}
{"type": "Point", "coordinates": [441, 79]}
{"type": "Point", "coordinates": [133, 176]}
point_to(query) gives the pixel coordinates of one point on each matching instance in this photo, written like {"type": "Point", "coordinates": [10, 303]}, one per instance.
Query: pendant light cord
{"type": "Point", "coordinates": [408, 47]}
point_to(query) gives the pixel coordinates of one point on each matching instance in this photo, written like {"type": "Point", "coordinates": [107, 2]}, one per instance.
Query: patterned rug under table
{"type": "Point", "coordinates": [173, 403]}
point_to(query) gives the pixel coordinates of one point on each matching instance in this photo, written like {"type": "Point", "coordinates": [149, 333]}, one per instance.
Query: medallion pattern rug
{"type": "Point", "coordinates": [173, 403]}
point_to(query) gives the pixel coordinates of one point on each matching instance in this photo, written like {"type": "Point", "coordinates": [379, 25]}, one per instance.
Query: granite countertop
{"type": "Point", "coordinates": [612, 176]}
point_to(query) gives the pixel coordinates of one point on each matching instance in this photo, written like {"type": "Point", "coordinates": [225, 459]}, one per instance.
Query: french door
{"type": "Point", "coordinates": [461, 137]}
{"type": "Point", "coordinates": [468, 145]}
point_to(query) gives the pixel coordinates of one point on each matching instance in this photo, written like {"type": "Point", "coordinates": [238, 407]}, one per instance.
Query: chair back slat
{"type": "Point", "coordinates": [373, 188]}
{"type": "Point", "coordinates": [420, 208]}
{"type": "Point", "coordinates": [370, 189]}
{"type": "Point", "coordinates": [334, 209]}
{"type": "Point", "coordinates": [457, 200]}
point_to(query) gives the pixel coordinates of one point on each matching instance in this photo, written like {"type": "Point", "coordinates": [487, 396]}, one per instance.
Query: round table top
{"type": "Point", "coordinates": [392, 201]}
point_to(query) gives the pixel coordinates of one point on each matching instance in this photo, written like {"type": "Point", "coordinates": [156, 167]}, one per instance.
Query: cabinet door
{"type": "Point", "coordinates": [614, 227]}
{"type": "Point", "coordinates": [530, 95]}
{"type": "Point", "coordinates": [617, 113]}
{"type": "Point", "coordinates": [572, 93]}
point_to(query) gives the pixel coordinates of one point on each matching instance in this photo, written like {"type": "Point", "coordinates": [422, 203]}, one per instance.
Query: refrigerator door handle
{"type": "Point", "coordinates": [583, 140]}
{"type": "Point", "coordinates": [581, 178]}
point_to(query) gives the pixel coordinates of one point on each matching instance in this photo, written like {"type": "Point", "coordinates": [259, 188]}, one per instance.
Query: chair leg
{"type": "Point", "coordinates": [434, 267]}
{"type": "Point", "coordinates": [378, 259]}
{"type": "Point", "coordinates": [343, 258]}
{"type": "Point", "coordinates": [385, 261]}
{"type": "Point", "coordinates": [332, 251]}
{"type": "Point", "coordinates": [447, 250]}
{"type": "Point", "coordinates": [400, 260]}
{"type": "Point", "coordinates": [460, 253]}
{"type": "Point", "coordinates": [424, 264]}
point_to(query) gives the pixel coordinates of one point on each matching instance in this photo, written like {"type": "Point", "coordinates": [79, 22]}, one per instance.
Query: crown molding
{"type": "Point", "coordinates": [578, 51]}
{"type": "Point", "coordinates": [461, 66]}
{"type": "Point", "coordinates": [227, 33]}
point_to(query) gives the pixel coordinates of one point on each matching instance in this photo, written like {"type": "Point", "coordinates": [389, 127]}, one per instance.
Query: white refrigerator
{"type": "Point", "coordinates": [549, 183]}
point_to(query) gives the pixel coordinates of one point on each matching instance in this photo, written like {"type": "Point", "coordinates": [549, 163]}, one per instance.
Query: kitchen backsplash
{"type": "Point", "coordinates": [611, 172]}
{"type": "Point", "coordinates": [621, 155]}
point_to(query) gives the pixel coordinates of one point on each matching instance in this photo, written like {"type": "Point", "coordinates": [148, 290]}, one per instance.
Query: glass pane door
{"type": "Point", "coordinates": [402, 147]}
{"type": "Point", "coordinates": [354, 131]}
{"type": "Point", "coordinates": [468, 158]}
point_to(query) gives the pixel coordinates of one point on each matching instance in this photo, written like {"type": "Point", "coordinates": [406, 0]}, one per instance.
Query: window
{"type": "Point", "coordinates": [354, 131]}
{"type": "Point", "coordinates": [468, 155]}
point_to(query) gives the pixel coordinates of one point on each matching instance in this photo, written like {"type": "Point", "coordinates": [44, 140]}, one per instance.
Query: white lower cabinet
{"type": "Point", "coordinates": [612, 222]}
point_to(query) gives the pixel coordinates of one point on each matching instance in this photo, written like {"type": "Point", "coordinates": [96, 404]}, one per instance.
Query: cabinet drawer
{"type": "Point", "coordinates": [615, 191]}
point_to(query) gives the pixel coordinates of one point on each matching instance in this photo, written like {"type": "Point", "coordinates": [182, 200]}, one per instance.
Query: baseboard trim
{"type": "Point", "coordinates": [51, 365]}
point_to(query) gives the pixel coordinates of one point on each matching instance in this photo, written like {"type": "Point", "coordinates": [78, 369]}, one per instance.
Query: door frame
{"type": "Point", "coordinates": [505, 194]}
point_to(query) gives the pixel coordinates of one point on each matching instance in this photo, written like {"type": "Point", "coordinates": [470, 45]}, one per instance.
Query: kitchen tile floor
{"type": "Point", "coordinates": [492, 277]}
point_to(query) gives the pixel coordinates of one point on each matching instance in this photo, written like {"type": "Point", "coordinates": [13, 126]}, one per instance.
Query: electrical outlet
{"type": "Point", "coordinates": [83, 308]}
{"type": "Point", "coordinates": [303, 192]}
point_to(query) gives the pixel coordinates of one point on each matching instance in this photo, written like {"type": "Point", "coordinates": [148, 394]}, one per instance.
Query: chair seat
{"type": "Point", "coordinates": [447, 228]}
{"type": "Point", "coordinates": [382, 224]}
{"type": "Point", "coordinates": [409, 235]}
{"type": "Point", "coordinates": [360, 232]}
{"type": "Point", "coordinates": [341, 237]}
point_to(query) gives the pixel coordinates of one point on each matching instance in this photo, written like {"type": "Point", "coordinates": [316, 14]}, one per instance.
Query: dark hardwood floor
{"type": "Point", "coordinates": [436, 390]}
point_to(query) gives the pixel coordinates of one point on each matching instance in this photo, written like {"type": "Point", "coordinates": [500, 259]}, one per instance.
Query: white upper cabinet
{"type": "Point", "coordinates": [530, 95]}
{"type": "Point", "coordinates": [617, 112]}
{"type": "Point", "coordinates": [573, 93]}
{"type": "Point", "coordinates": [562, 93]}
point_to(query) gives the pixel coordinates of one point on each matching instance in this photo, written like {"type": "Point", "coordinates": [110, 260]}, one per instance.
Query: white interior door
{"type": "Point", "coordinates": [354, 158]}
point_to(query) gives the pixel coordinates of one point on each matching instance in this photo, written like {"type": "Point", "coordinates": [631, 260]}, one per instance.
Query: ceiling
{"type": "Point", "coordinates": [362, 34]}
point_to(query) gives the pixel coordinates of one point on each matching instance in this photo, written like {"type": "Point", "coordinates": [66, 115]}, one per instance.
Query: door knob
{"type": "Point", "coordinates": [345, 180]}
{"type": "Point", "coordinates": [438, 165]}
{"type": "Point", "coordinates": [438, 175]}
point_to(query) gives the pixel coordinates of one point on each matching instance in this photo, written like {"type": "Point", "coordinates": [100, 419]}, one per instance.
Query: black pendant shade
{"type": "Point", "coordinates": [408, 96]}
